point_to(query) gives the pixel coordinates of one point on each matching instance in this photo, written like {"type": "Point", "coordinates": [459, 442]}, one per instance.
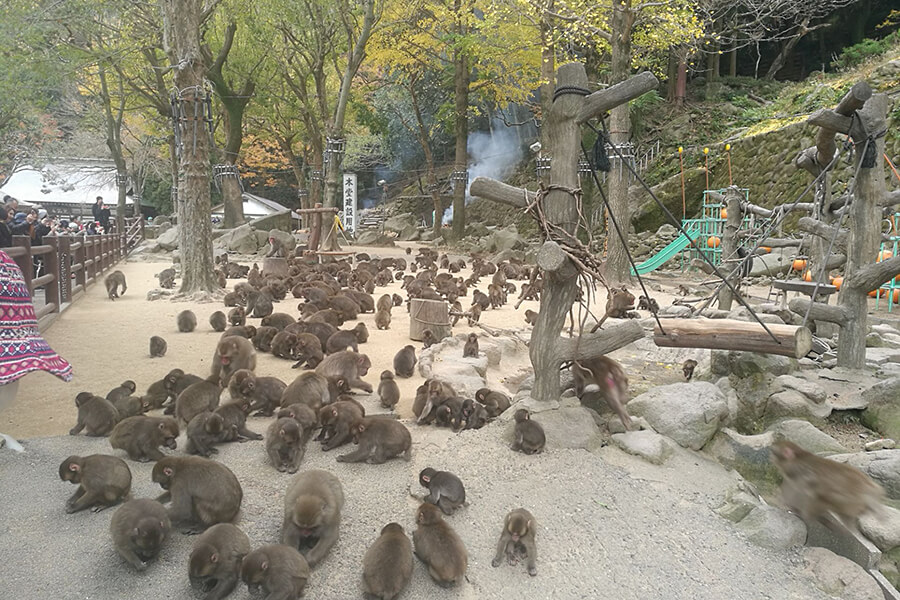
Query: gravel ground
{"type": "Point", "coordinates": [611, 525]}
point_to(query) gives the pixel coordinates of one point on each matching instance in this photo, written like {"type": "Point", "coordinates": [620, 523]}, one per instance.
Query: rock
{"type": "Point", "coordinates": [882, 444]}
{"type": "Point", "coordinates": [882, 465]}
{"type": "Point", "coordinates": [280, 220]}
{"type": "Point", "coordinates": [773, 528]}
{"type": "Point", "coordinates": [667, 230]}
{"type": "Point", "coordinates": [675, 311]}
{"type": "Point", "coordinates": [286, 239]}
{"type": "Point", "coordinates": [884, 529]}
{"type": "Point", "coordinates": [840, 577]}
{"type": "Point", "coordinates": [805, 434]}
{"type": "Point", "coordinates": [428, 235]}
{"type": "Point", "coordinates": [477, 230]}
{"type": "Point", "coordinates": [883, 411]}
{"type": "Point", "coordinates": [746, 454]}
{"type": "Point", "coordinates": [688, 413]}
{"type": "Point", "coordinates": [168, 240]}
{"type": "Point", "coordinates": [409, 234]}
{"type": "Point", "coordinates": [372, 237]}
{"type": "Point", "coordinates": [463, 376]}
{"type": "Point", "coordinates": [398, 223]}
{"type": "Point", "coordinates": [240, 239]}
{"type": "Point", "coordinates": [811, 390]}
{"type": "Point", "coordinates": [742, 314]}
{"type": "Point", "coordinates": [568, 427]}
{"type": "Point", "coordinates": [745, 364]}
{"type": "Point", "coordinates": [879, 356]}
{"type": "Point", "coordinates": [508, 255]}
{"type": "Point", "coordinates": [160, 219]}
{"type": "Point", "coordinates": [649, 445]}
{"type": "Point", "coordinates": [794, 404]}
{"type": "Point", "coordinates": [739, 501]}
{"type": "Point", "coordinates": [504, 239]}
{"type": "Point", "coordinates": [873, 340]}
{"type": "Point", "coordinates": [162, 228]}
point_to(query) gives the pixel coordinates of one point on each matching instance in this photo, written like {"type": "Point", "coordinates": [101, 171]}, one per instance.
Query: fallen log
{"type": "Point", "coordinates": [728, 334]}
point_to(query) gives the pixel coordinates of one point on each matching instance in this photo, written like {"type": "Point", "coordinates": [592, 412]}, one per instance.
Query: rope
{"type": "Point", "coordinates": [570, 89]}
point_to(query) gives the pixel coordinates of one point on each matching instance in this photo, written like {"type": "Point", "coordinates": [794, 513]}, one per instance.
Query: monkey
{"type": "Point", "coordinates": [215, 563]}
{"type": "Point", "coordinates": [384, 303]}
{"type": "Point", "coordinates": [308, 351]}
{"type": "Point", "coordinates": [279, 570]}
{"type": "Point", "coordinates": [237, 316]}
{"type": "Point", "coordinates": [284, 344]}
{"type": "Point", "coordinates": [187, 321]}
{"type": "Point", "coordinates": [439, 546]}
{"type": "Point", "coordinates": [398, 299]}
{"type": "Point", "coordinates": [156, 396]}
{"type": "Point", "coordinates": [619, 302]}
{"type": "Point", "coordinates": [815, 486]}
{"type": "Point", "coordinates": [220, 278]}
{"type": "Point", "coordinates": [158, 346]}
{"type": "Point", "coordinates": [531, 317]}
{"type": "Point", "coordinates": [202, 491]}
{"type": "Point", "coordinates": [445, 490]}
{"type": "Point", "coordinates": [312, 514]}
{"type": "Point", "coordinates": [167, 278]}
{"type": "Point", "coordinates": [310, 389]}
{"type": "Point", "coordinates": [337, 420]}
{"type": "Point", "coordinates": [142, 436]}
{"type": "Point", "coordinates": [470, 350]}
{"type": "Point", "coordinates": [303, 414]}
{"type": "Point", "coordinates": [388, 390]}
{"type": "Point", "coordinates": [494, 402]}
{"type": "Point", "coordinates": [405, 362]}
{"type": "Point", "coordinates": [176, 381]}
{"type": "Point", "coordinates": [388, 564]}
{"type": "Point", "coordinates": [529, 435]}
{"type": "Point", "coordinates": [262, 306]}
{"type": "Point", "coordinates": [263, 392]}
{"type": "Point", "coordinates": [448, 414]}
{"type": "Point", "coordinates": [688, 368]}
{"type": "Point", "coordinates": [244, 331]}
{"type": "Point", "coordinates": [436, 393]}
{"type": "Point", "coordinates": [278, 320]}
{"type": "Point", "coordinates": [348, 366]}
{"type": "Point", "coordinates": [232, 354]}
{"type": "Point", "coordinates": [517, 540]}
{"type": "Point", "coordinates": [473, 413]}
{"type": "Point", "coordinates": [609, 376]}
{"type": "Point", "coordinates": [204, 430]}
{"type": "Point", "coordinates": [456, 312]}
{"type": "Point", "coordinates": [112, 282]}
{"type": "Point", "coordinates": [329, 315]}
{"type": "Point", "coordinates": [496, 296]}
{"type": "Point", "coordinates": [232, 299]}
{"type": "Point", "coordinates": [286, 444]}
{"type": "Point", "coordinates": [474, 314]}
{"type": "Point", "coordinates": [647, 303]}
{"type": "Point", "coordinates": [235, 414]}
{"type": "Point", "coordinates": [379, 439]}
{"type": "Point", "coordinates": [102, 481]}
{"type": "Point", "coordinates": [262, 341]}
{"type": "Point", "coordinates": [95, 414]}
{"type": "Point", "coordinates": [383, 319]}
{"type": "Point", "coordinates": [342, 340]}
{"type": "Point", "coordinates": [481, 299]}
{"type": "Point", "coordinates": [218, 321]}
{"type": "Point", "coordinates": [125, 389]}
{"type": "Point", "coordinates": [683, 290]}
{"type": "Point", "coordinates": [139, 528]}
{"type": "Point", "coordinates": [746, 265]}
{"type": "Point", "coordinates": [428, 339]}
{"type": "Point", "coordinates": [129, 406]}
{"type": "Point", "coordinates": [361, 332]}
{"type": "Point", "coordinates": [196, 398]}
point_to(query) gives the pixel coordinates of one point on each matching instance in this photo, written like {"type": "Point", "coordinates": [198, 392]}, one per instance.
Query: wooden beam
{"type": "Point", "coordinates": [728, 334]}
{"type": "Point", "coordinates": [829, 119]}
{"type": "Point", "coordinates": [766, 213]}
{"type": "Point", "coordinates": [603, 100]}
{"type": "Point", "coordinates": [819, 311]}
{"type": "Point", "coordinates": [602, 342]}
{"type": "Point", "coordinates": [780, 242]}
{"type": "Point", "coordinates": [874, 275]}
{"type": "Point", "coordinates": [822, 230]}
{"type": "Point", "coordinates": [491, 189]}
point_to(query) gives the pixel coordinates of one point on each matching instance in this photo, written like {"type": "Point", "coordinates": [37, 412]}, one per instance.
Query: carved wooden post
{"type": "Point", "coordinates": [730, 244]}
{"type": "Point", "coordinates": [51, 266]}
{"type": "Point", "coordinates": [64, 260]}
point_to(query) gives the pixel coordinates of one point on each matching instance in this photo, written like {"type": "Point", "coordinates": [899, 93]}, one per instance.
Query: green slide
{"type": "Point", "coordinates": [667, 253]}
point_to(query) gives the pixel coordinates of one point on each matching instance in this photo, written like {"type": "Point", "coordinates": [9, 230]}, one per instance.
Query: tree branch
{"type": "Point", "coordinates": [875, 275]}
{"type": "Point", "coordinates": [590, 345]}
{"type": "Point", "coordinates": [491, 189]}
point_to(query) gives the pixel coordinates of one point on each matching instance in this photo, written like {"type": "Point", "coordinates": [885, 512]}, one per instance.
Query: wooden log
{"type": "Point", "coordinates": [428, 314]}
{"type": "Point", "coordinates": [602, 342]}
{"type": "Point", "coordinates": [728, 334]}
{"type": "Point", "coordinates": [491, 189]}
{"type": "Point", "coordinates": [819, 311]}
{"type": "Point", "coordinates": [780, 242]}
{"type": "Point", "coordinates": [603, 100]}
{"type": "Point", "coordinates": [275, 265]}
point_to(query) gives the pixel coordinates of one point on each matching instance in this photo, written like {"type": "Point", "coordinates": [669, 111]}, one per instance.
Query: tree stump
{"type": "Point", "coordinates": [428, 314]}
{"type": "Point", "coordinates": [275, 265]}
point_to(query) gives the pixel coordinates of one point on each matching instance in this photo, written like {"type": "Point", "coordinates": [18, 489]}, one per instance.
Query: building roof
{"type": "Point", "coordinates": [65, 181]}
{"type": "Point", "coordinates": [256, 206]}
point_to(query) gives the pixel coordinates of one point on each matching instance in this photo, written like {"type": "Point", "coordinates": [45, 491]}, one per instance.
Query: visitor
{"type": "Point", "coordinates": [5, 232]}
{"type": "Point", "coordinates": [96, 208]}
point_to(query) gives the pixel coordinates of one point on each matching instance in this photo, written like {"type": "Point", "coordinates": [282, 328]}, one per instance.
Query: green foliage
{"type": "Point", "coordinates": [158, 194]}
{"type": "Point", "coordinates": [854, 55]}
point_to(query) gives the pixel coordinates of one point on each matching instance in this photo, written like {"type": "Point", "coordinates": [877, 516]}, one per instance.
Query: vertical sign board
{"type": "Point", "coordinates": [350, 202]}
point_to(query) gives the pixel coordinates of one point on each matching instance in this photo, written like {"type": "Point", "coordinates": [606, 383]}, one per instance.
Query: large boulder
{"type": "Point", "coordinates": [168, 240]}
{"type": "Point", "coordinates": [287, 241]}
{"type": "Point", "coordinates": [279, 220]}
{"type": "Point", "coordinates": [240, 239]}
{"type": "Point", "coordinates": [882, 465]}
{"type": "Point", "coordinates": [789, 403]}
{"type": "Point", "coordinates": [804, 434]}
{"type": "Point", "coordinates": [773, 528]}
{"type": "Point", "coordinates": [883, 411]}
{"type": "Point", "coordinates": [569, 427]}
{"type": "Point", "coordinates": [398, 223]}
{"type": "Point", "coordinates": [839, 577]}
{"type": "Point", "coordinates": [409, 234]}
{"type": "Point", "coordinates": [688, 413]}
{"type": "Point", "coordinates": [371, 237]}
{"type": "Point", "coordinates": [504, 239]}
{"type": "Point", "coordinates": [649, 445]}
{"type": "Point", "coordinates": [883, 529]}
{"type": "Point", "coordinates": [746, 364]}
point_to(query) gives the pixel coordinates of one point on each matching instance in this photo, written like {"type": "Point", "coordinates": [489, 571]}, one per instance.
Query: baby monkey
{"type": "Point", "coordinates": [517, 540]}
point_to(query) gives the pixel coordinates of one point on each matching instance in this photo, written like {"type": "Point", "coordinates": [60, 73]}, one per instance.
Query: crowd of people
{"type": "Point", "coordinates": [37, 223]}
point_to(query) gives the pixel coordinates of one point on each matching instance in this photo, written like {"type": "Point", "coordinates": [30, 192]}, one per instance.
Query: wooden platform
{"type": "Point", "coordinates": [803, 287]}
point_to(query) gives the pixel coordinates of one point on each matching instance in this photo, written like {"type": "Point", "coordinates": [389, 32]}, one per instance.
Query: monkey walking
{"type": "Point", "coordinates": [113, 281]}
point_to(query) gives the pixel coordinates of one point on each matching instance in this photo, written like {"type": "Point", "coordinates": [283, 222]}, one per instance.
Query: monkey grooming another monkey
{"type": "Point", "coordinates": [312, 514]}
{"type": "Point", "coordinates": [529, 435]}
{"type": "Point", "coordinates": [95, 414]}
{"type": "Point", "coordinates": [470, 350]}
{"type": "Point", "coordinates": [158, 346]}
{"type": "Point", "coordinates": [388, 563]}
{"type": "Point", "coordinates": [113, 281]}
{"type": "Point", "coordinates": [379, 439]}
{"type": "Point", "coordinates": [494, 402]}
{"type": "Point", "coordinates": [517, 540]}
{"type": "Point", "coordinates": [610, 379]}
{"type": "Point", "coordinates": [142, 436]}
{"type": "Point", "coordinates": [816, 487]}
{"type": "Point", "coordinates": [139, 528]}
{"type": "Point", "coordinates": [688, 368]}
{"type": "Point", "coordinates": [279, 570]}
{"type": "Point", "coordinates": [102, 480]}
{"type": "Point", "coordinates": [187, 321]}
{"type": "Point", "coordinates": [445, 490]}
{"type": "Point", "coordinates": [388, 390]}
{"type": "Point", "coordinates": [405, 362]}
{"type": "Point", "coordinates": [215, 563]}
{"type": "Point", "coordinates": [202, 491]}
{"type": "Point", "coordinates": [439, 547]}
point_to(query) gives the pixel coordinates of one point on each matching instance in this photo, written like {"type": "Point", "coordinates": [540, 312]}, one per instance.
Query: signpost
{"type": "Point", "coordinates": [350, 217]}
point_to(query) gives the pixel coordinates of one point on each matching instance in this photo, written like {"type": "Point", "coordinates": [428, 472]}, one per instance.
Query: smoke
{"type": "Point", "coordinates": [492, 154]}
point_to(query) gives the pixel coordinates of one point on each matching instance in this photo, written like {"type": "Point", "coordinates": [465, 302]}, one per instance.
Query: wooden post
{"type": "Point", "coordinates": [428, 314]}
{"type": "Point", "coordinates": [51, 265]}
{"type": "Point", "coordinates": [80, 258]}
{"type": "Point", "coordinates": [730, 244]}
{"type": "Point", "coordinates": [64, 260]}
{"type": "Point", "coordinates": [315, 229]}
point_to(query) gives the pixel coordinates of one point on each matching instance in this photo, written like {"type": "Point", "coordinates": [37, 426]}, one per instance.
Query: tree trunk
{"type": "Point", "coordinates": [730, 245]}
{"type": "Point", "coordinates": [786, 48]}
{"type": "Point", "coordinates": [114, 141]}
{"type": "Point", "coordinates": [732, 63]}
{"type": "Point", "coordinates": [618, 269]}
{"type": "Point", "coordinates": [461, 97]}
{"type": "Point", "coordinates": [671, 76]}
{"type": "Point", "coordinates": [182, 38]}
{"type": "Point", "coordinates": [681, 84]}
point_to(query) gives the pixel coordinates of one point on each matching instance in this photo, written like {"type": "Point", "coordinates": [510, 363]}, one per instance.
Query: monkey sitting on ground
{"type": "Point", "coordinates": [215, 563]}
{"type": "Point", "coordinates": [113, 281]}
{"type": "Point", "coordinates": [102, 481]}
{"type": "Point", "coordinates": [196, 398]}
{"type": "Point", "coordinates": [202, 491]}
{"type": "Point", "coordinates": [388, 563]}
{"type": "Point", "coordinates": [312, 514]}
{"type": "Point", "coordinates": [139, 528]}
{"type": "Point", "coordinates": [383, 319]}
{"type": "Point", "coordinates": [233, 353]}
{"type": "Point", "coordinates": [336, 420]}
{"type": "Point", "coordinates": [347, 366]}
{"type": "Point", "coordinates": [529, 435]}
{"type": "Point", "coordinates": [234, 414]}
{"type": "Point", "coordinates": [388, 390]}
{"type": "Point", "coordinates": [470, 350]}
{"type": "Point", "coordinates": [142, 436]}
{"type": "Point", "coordinates": [286, 444]}
{"type": "Point", "coordinates": [218, 321]}
{"type": "Point", "coordinates": [279, 570]}
{"type": "Point", "coordinates": [158, 346]}
{"type": "Point", "coordinates": [474, 314]}
{"type": "Point", "coordinates": [263, 392]}
{"type": "Point", "coordinates": [618, 305]}
{"type": "Point", "coordinates": [379, 439]}
{"type": "Point", "coordinates": [96, 414]}
{"type": "Point", "coordinates": [517, 540]}
{"type": "Point", "coordinates": [688, 368]}
{"type": "Point", "coordinates": [439, 547]}
{"type": "Point", "coordinates": [531, 317]}
{"type": "Point", "coordinates": [647, 303]}
{"type": "Point", "coordinates": [123, 390]}
{"type": "Point", "coordinates": [237, 316]}
{"type": "Point", "coordinates": [405, 362]}
{"type": "Point", "coordinates": [494, 402]}
{"type": "Point", "coordinates": [473, 413]}
{"type": "Point", "coordinates": [187, 321]}
{"type": "Point", "coordinates": [428, 339]}
{"type": "Point", "coordinates": [610, 379]}
{"type": "Point", "coordinates": [445, 490]}
{"type": "Point", "coordinates": [815, 486]}
{"type": "Point", "coordinates": [204, 430]}
{"type": "Point", "coordinates": [167, 278]}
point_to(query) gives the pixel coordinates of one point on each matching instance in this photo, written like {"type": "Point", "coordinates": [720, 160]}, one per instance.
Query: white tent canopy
{"type": "Point", "coordinates": [65, 182]}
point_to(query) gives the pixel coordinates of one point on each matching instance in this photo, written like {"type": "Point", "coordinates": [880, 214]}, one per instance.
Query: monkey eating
{"type": "Point", "coordinates": [286, 444]}
{"type": "Point", "coordinates": [95, 414]}
{"type": "Point", "coordinates": [202, 491]}
{"type": "Point", "coordinates": [388, 390]}
{"type": "Point", "coordinates": [215, 563]}
{"type": "Point", "coordinates": [280, 571]}
{"type": "Point", "coordinates": [142, 436]}
{"type": "Point", "coordinates": [187, 321]}
{"type": "Point", "coordinates": [102, 480]}
{"type": "Point", "coordinates": [445, 490]}
{"type": "Point", "coordinates": [139, 528]}
{"type": "Point", "coordinates": [379, 439]}
{"type": "Point", "coordinates": [312, 514]}
{"type": "Point", "coordinates": [158, 346]}
{"type": "Point", "coordinates": [405, 361]}
{"type": "Point", "coordinates": [388, 563]}
{"type": "Point", "coordinates": [218, 321]}
{"type": "Point", "coordinates": [517, 540]}
{"type": "Point", "coordinates": [439, 547]}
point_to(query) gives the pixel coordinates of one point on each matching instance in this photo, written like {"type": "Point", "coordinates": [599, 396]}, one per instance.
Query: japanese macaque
{"type": "Point", "coordinates": [388, 390]}
{"type": "Point", "coordinates": [167, 278]}
{"type": "Point", "coordinates": [142, 436]}
{"type": "Point", "coordinates": [816, 487]}
{"type": "Point", "coordinates": [428, 339]}
{"type": "Point", "coordinates": [336, 420]}
{"type": "Point", "coordinates": [445, 490]}
{"type": "Point", "coordinates": [113, 281]}
{"type": "Point", "coordinates": [439, 547]}
{"type": "Point", "coordinates": [647, 303]}
{"type": "Point", "coordinates": [611, 382]}
{"type": "Point", "coordinates": [474, 314]}
{"type": "Point", "coordinates": [280, 571]}
{"type": "Point", "coordinates": [102, 481]}
{"type": "Point", "coordinates": [383, 319]}
{"type": "Point", "coordinates": [405, 362]}
{"type": "Point", "coordinates": [494, 402]}
{"type": "Point", "coordinates": [517, 540]}
{"type": "Point", "coordinates": [215, 563]}
{"type": "Point", "coordinates": [218, 321]}
{"type": "Point", "coordinates": [158, 346]}
{"type": "Point", "coordinates": [232, 354]}
{"type": "Point", "coordinates": [187, 321]}
{"type": "Point", "coordinates": [202, 491]}
{"type": "Point", "coordinates": [237, 316]}
{"type": "Point", "coordinates": [203, 431]}
{"type": "Point", "coordinates": [619, 302]}
{"type": "Point", "coordinates": [379, 439]}
{"type": "Point", "coordinates": [286, 444]}
{"type": "Point", "coordinates": [470, 349]}
{"type": "Point", "coordinates": [531, 317]}
{"type": "Point", "coordinates": [347, 366]}
{"type": "Point", "coordinates": [688, 368]}
{"type": "Point", "coordinates": [312, 514]}
{"type": "Point", "coordinates": [529, 435]}
{"type": "Point", "coordinates": [388, 563]}
{"type": "Point", "coordinates": [96, 415]}
{"type": "Point", "coordinates": [139, 528]}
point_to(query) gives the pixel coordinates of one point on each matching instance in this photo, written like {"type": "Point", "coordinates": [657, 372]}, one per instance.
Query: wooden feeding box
{"type": "Point", "coordinates": [428, 314]}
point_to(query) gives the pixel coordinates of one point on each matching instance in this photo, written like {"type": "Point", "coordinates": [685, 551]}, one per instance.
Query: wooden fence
{"type": "Point", "coordinates": [67, 266]}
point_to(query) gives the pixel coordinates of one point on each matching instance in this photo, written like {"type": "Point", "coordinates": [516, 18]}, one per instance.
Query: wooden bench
{"type": "Point", "coordinates": [806, 288]}
{"type": "Point", "coordinates": [321, 253]}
